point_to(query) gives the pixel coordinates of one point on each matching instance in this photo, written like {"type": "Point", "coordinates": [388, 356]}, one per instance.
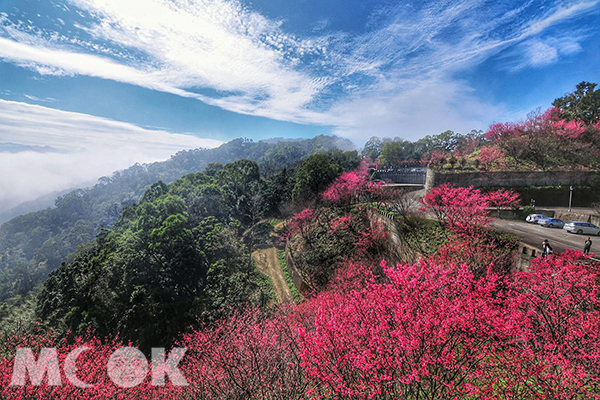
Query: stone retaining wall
{"type": "Point", "coordinates": [524, 256]}
{"type": "Point", "coordinates": [567, 216]}
{"type": "Point", "coordinates": [509, 179]}
{"type": "Point", "coordinates": [293, 271]}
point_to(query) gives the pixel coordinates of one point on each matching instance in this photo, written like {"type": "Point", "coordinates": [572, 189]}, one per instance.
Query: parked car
{"type": "Point", "coordinates": [551, 223]}
{"type": "Point", "coordinates": [417, 170]}
{"type": "Point", "coordinates": [582, 227]}
{"type": "Point", "coordinates": [539, 221]}
{"type": "Point", "coordinates": [533, 218]}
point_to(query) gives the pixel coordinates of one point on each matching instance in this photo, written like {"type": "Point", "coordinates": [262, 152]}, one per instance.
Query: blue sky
{"type": "Point", "coordinates": [119, 81]}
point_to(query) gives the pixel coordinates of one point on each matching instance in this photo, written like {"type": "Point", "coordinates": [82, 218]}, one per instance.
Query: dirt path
{"type": "Point", "coordinates": [267, 262]}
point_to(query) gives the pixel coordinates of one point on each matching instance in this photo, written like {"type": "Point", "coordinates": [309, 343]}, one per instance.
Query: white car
{"type": "Point", "coordinates": [582, 228]}
{"type": "Point", "coordinates": [534, 218]}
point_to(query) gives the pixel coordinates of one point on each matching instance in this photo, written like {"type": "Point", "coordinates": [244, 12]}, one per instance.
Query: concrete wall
{"type": "Point", "coordinates": [395, 251]}
{"type": "Point", "coordinates": [573, 216]}
{"type": "Point", "coordinates": [524, 256]}
{"type": "Point", "coordinates": [293, 271]}
{"type": "Point", "coordinates": [509, 179]}
{"type": "Point", "coordinates": [514, 214]}
{"type": "Point", "coordinates": [430, 179]}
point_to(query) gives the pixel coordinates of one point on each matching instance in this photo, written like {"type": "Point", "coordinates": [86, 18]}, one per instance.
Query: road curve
{"type": "Point", "coordinates": [534, 235]}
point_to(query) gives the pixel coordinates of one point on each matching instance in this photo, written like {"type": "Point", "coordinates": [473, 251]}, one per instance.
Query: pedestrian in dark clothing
{"type": "Point", "coordinates": [587, 246]}
{"type": "Point", "coordinates": [533, 203]}
{"type": "Point", "coordinates": [546, 248]}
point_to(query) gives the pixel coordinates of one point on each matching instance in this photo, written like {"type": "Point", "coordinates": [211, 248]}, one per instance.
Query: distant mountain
{"type": "Point", "coordinates": [32, 206]}
{"type": "Point", "coordinates": [340, 143]}
{"type": "Point", "coordinates": [34, 244]}
{"type": "Point", "coordinates": [8, 147]}
{"type": "Point", "coordinates": [276, 140]}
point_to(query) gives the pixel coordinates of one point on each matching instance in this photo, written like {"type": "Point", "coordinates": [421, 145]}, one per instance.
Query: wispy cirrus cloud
{"type": "Point", "coordinates": [84, 148]}
{"type": "Point", "coordinates": [38, 99]}
{"type": "Point", "coordinates": [225, 54]}
{"type": "Point", "coordinates": [414, 91]}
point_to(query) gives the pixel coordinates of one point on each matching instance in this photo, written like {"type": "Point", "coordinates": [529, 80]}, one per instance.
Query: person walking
{"type": "Point", "coordinates": [587, 246]}
{"type": "Point", "coordinates": [546, 248]}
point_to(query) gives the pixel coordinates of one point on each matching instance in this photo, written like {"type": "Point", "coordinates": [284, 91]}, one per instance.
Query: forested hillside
{"type": "Point", "coordinates": [32, 245]}
{"type": "Point", "coordinates": [174, 256]}
{"type": "Point", "coordinates": [181, 254]}
{"type": "Point", "coordinates": [460, 322]}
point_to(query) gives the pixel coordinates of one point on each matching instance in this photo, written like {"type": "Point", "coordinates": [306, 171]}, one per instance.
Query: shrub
{"type": "Point", "coordinates": [523, 213]}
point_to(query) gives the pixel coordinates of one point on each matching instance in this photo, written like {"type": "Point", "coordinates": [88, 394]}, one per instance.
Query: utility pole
{"type": "Point", "coordinates": [570, 197]}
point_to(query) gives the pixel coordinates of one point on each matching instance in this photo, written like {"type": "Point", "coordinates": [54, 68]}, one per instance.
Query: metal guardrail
{"type": "Point", "coordinates": [385, 213]}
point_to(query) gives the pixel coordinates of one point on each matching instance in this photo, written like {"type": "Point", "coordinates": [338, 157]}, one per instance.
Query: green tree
{"type": "Point", "coordinates": [345, 160]}
{"type": "Point", "coordinates": [240, 182]}
{"type": "Point", "coordinates": [393, 153]}
{"type": "Point", "coordinates": [313, 176]}
{"type": "Point", "coordinates": [582, 104]}
{"type": "Point", "coordinates": [277, 191]}
{"type": "Point", "coordinates": [213, 168]}
{"type": "Point", "coordinates": [206, 201]}
{"type": "Point", "coordinates": [156, 190]}
{"type": "Point", "coordinates": [372, 148]}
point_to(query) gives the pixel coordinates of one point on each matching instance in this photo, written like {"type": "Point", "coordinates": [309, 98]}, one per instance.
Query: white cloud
{"type": "Point", "coordinates": [427, 106]}
{"type": "Point", "coordinates": [89, 147]}
{"type": "Point", "coordinates": [218, 45]}
{"type": "Point", "coordinates": [38, 99]}
{"type": "Point", "coordinates": [320, 24]}
{"type": "Point", "coordinates": [538, 53]}
{"type": "Point", "coordinates": [563, 11]}
{"type": "Point", "coordinates": [542, 54]}
{"type": "Point", "coordinates": [417, 93]}
{"type": "Point", "coordinates": [223, 53]}
{"type": "Point", "coordinates": [48, 60]}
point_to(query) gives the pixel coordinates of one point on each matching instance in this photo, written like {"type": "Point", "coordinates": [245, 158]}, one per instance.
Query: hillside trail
{"type": "Point", "coordinates": [267, 262]}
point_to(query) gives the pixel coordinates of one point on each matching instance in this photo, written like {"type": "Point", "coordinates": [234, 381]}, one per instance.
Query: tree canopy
{"type": "Point", "coordinates": [583, 104]}
{"type": "Point", "coordinates": [165, 262]}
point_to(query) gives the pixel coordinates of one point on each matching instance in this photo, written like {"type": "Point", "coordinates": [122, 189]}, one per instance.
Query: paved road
{"type": "Point", "coordinates": [534, 235]}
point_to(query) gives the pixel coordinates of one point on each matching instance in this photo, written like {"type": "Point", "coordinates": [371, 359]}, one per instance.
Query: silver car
{"type": "Point", "coordinates": [551, 223]}
{"type": "Point", "coordinates": [582, 227]}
